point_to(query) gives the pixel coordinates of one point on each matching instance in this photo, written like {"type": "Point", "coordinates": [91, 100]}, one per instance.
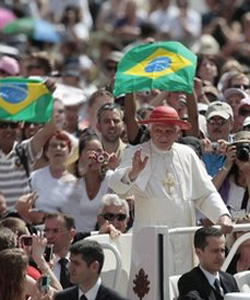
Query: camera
{"type": "Point", "coordinates": [242, 151]}
{"type": "Point", "coordinates": [100, 158]}
{"type": "Point", "coordinates": [26, 240]}
{"type": "Point", "coordinates": [214, 146]}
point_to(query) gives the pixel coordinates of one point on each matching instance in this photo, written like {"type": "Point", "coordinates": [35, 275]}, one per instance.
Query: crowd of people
{"type": "Point", "coordinates": [114, 165]}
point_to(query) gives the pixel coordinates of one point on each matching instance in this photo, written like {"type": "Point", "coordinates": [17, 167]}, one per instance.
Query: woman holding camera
{"type": "Point", "coordinates": [233, 179]}
{"type": "Point", "coordinates": [93, 163]}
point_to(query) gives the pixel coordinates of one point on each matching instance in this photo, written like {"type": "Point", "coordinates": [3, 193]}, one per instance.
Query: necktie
{"type": "Point", "coordinates": [218, 287]}
{"type": "Point", "coordinates": [83, 297]}
{"type": "Point", "coordinates": [64, 275]}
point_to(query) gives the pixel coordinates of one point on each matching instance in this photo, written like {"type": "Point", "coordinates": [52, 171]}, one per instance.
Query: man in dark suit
{"type": "Point", "coordinates": [206, 281]}
{"type": "Point", "coordinates": [86, 262]}
{"type": "Point", "coordinates": [60, 231]}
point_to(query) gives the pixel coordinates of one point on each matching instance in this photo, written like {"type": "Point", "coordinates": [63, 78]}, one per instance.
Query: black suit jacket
{"type": "Point", "coordinates": [195, 286]}
{"type": "Point", "coordinates": [103, 293]}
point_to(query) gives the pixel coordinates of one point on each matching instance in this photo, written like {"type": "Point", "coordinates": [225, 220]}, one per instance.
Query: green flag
{"type": "Point", "coordinates": [24, 99]}
{"type": "Point", "coordinates": [166, 66]}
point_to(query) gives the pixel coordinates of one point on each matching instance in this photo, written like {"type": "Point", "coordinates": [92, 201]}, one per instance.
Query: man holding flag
{"type": "Point", "coordinates": [21, 100]}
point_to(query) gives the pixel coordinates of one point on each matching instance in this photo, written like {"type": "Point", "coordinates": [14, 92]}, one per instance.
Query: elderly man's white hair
{"type": "Point", "coordinates": [113, 199]}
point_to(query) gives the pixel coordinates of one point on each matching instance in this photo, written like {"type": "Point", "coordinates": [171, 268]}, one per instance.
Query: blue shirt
{"type": "Point", "coordinates": [213, 162]}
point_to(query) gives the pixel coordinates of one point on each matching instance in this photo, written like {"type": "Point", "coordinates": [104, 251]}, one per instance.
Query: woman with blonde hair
{"type": "Point", "coordinates": [13, 264]}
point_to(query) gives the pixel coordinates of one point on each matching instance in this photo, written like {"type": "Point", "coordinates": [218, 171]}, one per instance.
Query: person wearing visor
{"type": "Point", "coordinates": [168, 181]}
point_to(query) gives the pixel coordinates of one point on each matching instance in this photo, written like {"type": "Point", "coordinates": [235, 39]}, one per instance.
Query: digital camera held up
{"type": "Point", "coordinates": [243, 151]}
{"type": "Point", "coordinates": [100, 158]}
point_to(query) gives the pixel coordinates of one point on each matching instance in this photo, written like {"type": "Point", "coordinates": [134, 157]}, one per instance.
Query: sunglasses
{"type": "Point", "coordinates": [5, 125]}
{"type": "Point", "coordinates": [244, 112]}
{"type": "Point", "coordinates": [112, 217]}
{"type": "Point", "coordinates": [217, 122]}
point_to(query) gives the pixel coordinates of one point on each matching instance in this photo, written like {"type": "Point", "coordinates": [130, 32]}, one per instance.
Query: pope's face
{"type": "Point", "coordinates": [163, 135]}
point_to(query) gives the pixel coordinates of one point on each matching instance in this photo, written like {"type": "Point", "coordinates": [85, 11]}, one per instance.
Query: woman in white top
{"type": "Point", "coordinates": [54, 183]}
{"type": "Point", "coordinates": [85, 202]}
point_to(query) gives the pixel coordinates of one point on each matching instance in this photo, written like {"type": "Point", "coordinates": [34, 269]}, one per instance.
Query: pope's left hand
{"type": "Point", "coordinates": [226, 224]}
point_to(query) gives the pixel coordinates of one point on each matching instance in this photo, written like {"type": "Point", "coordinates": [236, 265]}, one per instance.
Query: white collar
{"type": "Point", "coordinates": [210, 277]}
{"type": "Point", "coordinates": [57, 258]}
{"type": "Point", "coordinates": [91, 293]}
{"type": "Point", "coordinates": [159, 151]}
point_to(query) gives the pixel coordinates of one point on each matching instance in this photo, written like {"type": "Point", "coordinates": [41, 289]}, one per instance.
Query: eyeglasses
{"type": "Point", "coordinates": [5, 125]}
{"type": "Point", "coordinates": [241, 86]}
{"type": "Point", "coordinates": [217, 122]}
{"type": "Point", "coordinates": [244, 112]}
{"type": "Point", "coordinates": [112, 217]}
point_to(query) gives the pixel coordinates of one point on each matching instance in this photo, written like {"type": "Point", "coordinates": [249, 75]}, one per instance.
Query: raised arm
{"type": "Point", "coordinates": [38, 247]}
{"type": "Point", "coordinates": [42, 136]}
{"type": "Point", "coordinates": [193, 116]}
{"type": "Point", "coordinates": [221, 176]}
{"type": "Point", "coordinates": [130, 117]}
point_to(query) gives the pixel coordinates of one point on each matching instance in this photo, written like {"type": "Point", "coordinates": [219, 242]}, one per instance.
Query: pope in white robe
{"type": "Point", "coordinates": [168, 181]}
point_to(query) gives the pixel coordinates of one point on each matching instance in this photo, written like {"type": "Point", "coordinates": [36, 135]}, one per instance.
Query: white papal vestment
{"type": "Point", "coordinates": [166, 192]}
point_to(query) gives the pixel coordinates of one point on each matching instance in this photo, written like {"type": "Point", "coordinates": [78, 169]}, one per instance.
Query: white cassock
{"type": "Point", "coordinates": [166, 192]}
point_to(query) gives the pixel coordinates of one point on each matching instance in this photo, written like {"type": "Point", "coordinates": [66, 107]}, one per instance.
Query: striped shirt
{"type": "Point", "coordinates": [13, 178]}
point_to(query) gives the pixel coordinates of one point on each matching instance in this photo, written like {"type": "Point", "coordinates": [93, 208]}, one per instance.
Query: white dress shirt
{"type": "Point", "coordinates": [91, 294]}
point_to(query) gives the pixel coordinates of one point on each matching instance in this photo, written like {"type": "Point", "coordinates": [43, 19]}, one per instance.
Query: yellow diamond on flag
{"type": "Point", "coordinates": [159, 63]}
{"type": "Point", "coordinates": [14, 98]}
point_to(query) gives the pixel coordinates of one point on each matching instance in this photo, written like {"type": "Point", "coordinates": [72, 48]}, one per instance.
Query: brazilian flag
{"type": "Point", "coordinates": [24, 99]}
{"type": "Point", "coordinates": [166, 66]}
